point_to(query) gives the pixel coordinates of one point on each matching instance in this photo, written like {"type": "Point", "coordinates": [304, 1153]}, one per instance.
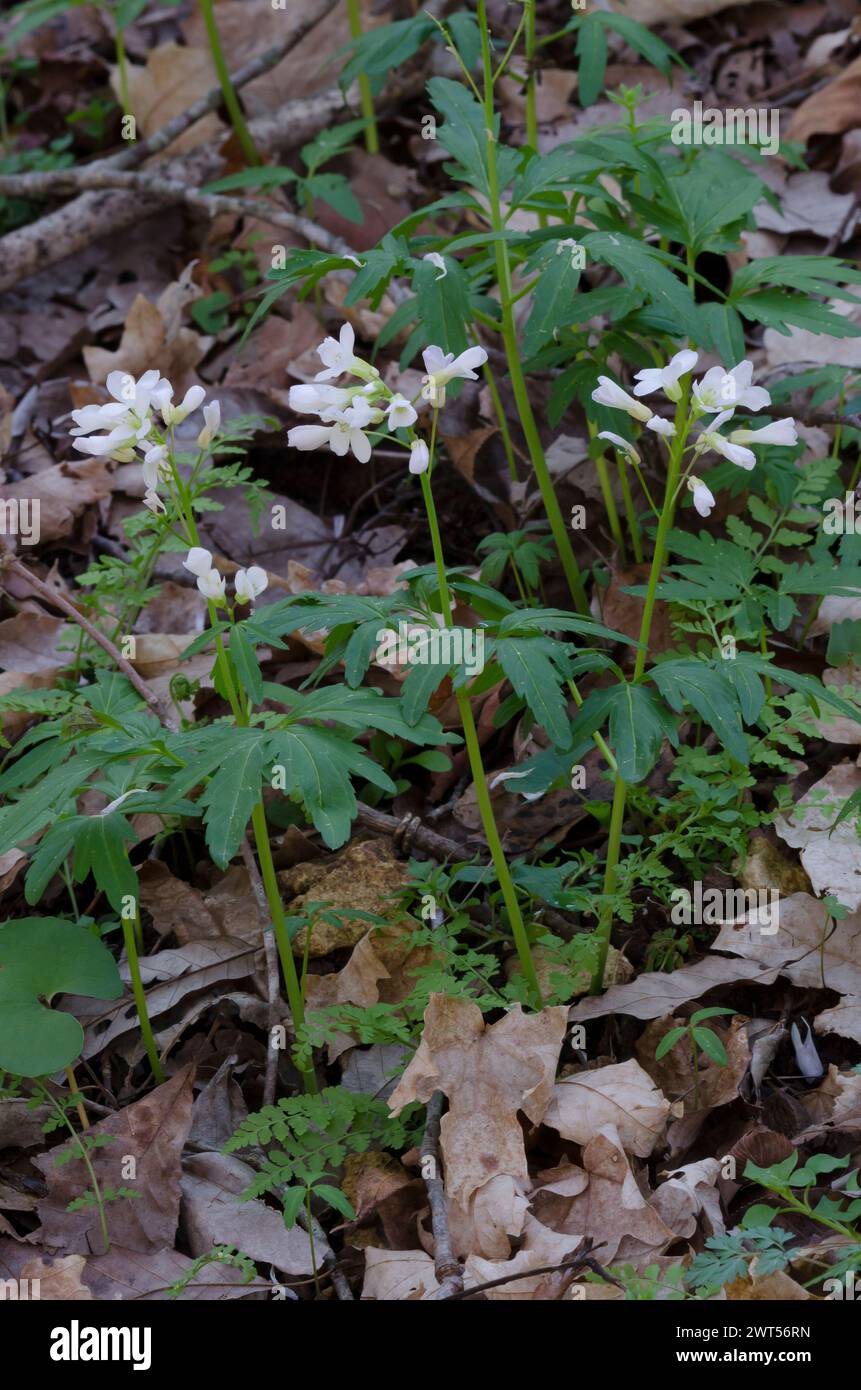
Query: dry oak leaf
{"type": "Point", "coordinates": [59, 1278]}
{"type": "Point", "coordinates": [398, 1275]}
{"type": "Point", "coordinates": [488, 1073]}
{"type": "Point", "coordinates": [687, 1193]}
{"type": "Point", "coordinates": [174, 78]}
{"type": "Point", "coordinates": [654, 994]}
{"type": "Point", "coordinates": [623, 1095]}
{"type": "Point", "coordinates": [834, 108]}
{"type": "Point", "coordinates": [213, 1213]}
{"type": "Point", "coordinates": [62, 492]}
{"type": "Point", "coordinates": [357, 983]}
{"type": "Point", "coordinates": [156, 333]}
{"type": "Point", "coordinates": [608, 1206]}
{"type": "Point", "coordinates": [150, 1131]}
{"type": "Point", "coordinates": [831, 858]}
{"type": "Point", "coordinates": [540, 1247]}
{"type": "Point", "coordinates": [146, 1277]}
{"type": "Point", "coordinates": [812, 952]}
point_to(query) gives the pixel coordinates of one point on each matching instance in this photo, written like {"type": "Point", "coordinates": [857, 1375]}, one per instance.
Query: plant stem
{"type": "Point", "coordinates": [366, 99]}
{"type": "Point", "coordinates": [79, 1103]}
{"type": "Point", "coordinates": [620, 791]}
{"type": "Point", "coordinates": [696, 1068]}
{"type": "Point", "coordinates": [129, 932]}
{"type": "Point", "coordinates": [87, 1162]}
{"type": "Point", "coordinates": [509, 334]}
{"type": "Point", "coordinates": [123, 72]}
{"type": "Point", "coordinates": [473, 749]}
{"type": "Point", "coordinates": [501, 420]}
{"type": "Point", "coordinates": [279, 926]}
{"type": "Point", "coordinates": [231, 101]}
{"type": "Point", "coordinates": [630, 514]}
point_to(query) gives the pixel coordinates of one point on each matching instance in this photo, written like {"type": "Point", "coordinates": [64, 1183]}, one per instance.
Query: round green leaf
{"type": "Point", "coordinates": [41, 957]}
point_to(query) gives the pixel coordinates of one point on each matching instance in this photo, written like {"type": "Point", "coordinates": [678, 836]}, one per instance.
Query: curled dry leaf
{"type": "Point", "coordinates": [831, 857]}
{"type": "Point", "coordinates": [653, 994]}
{"type": "Point", "coordinates": [623, 1095]}
{"type": "Point", "coordinates": [812, 951]}
{"type": "Point", "coordinates": [603, 1200]}
{"type": "Point", "coordinates": [398, 1275]}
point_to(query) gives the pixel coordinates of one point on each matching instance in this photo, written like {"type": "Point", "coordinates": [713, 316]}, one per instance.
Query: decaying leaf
{"type": "Point", "coordinates": [623, 1095]}
{"type": "Point", "coordinates": [489, 1073]}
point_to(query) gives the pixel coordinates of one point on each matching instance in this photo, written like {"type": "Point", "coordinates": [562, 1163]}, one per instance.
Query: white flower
{"type": "Point", "coordinates": [400, 413]}
{"type": "Point", "coordinates": [155, 467]}
{"type": "Point", "coordinates": [249, 583]}
{"type": "Point", "coordinates": [212, 585]}
{"type": "Point", "coordinates": [175, 414]}
{"type": "Point", "coordinates": [212, 419]}
{"type": "Point", "coordinates": [198, 561]}
{"type": "Point", "coordinates": [666, 379]}
{"type": "Point", "coordinates": [436, 259]}
{"type": "Point", "coordinates": [154, 502]}
{"type": "Point", "coordinates": [443, 367]}
{"type": "Point", "coordinates": [127, 418]}
{"type": "Point", "coordinates": [720, 390]}
{"type": "Point", "coordinates": [778, 432]}
{"type": "Point", "coordinates": [608, 393]}
{"type": "Point", "coordinates": [341, 436]}
{"type": "Point", "coordinates": [419, 456]}
{"type": "Point", "coordinates": [710, 439]}
{"type": "Point", "coordinates": [312, 399]}
{"type": "Point", "coordinates": [337, 354]}
{"type": "Point", "coordinates": [703, 496]}
{"type": "Point", "coordinates": [621, 444]}
{"type": "Point", "coordinates": [661, 426]}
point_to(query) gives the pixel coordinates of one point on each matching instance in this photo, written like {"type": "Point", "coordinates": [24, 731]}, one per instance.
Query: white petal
{"type": "Point", "coordinates": [198, 561]}
{"type": "Point", "coordinates": [309, 436]}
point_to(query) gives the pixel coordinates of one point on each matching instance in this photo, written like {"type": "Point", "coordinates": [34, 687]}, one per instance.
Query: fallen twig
{"type": "Point", "coordinates": [447, 1268]}
{"type": "Point", "coordinates": [579, 1259]}
{"type": "Point", "coordinates": [164, 713]}
{"type": "Point", "coordinates": [97, 177]}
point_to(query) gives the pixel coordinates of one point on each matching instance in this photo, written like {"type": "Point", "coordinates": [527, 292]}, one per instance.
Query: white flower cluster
{"type": "Point", "coordinates": [348, 412]}
{"type": "Point", "coordinates": [247, 583]}
{"type": "Point", "coordinates": [131, 425]}
{"type": "Point", "coordinates": [719, 393]}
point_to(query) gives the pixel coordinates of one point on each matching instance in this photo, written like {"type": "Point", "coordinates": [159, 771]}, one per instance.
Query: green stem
{"type": "Point", "coordinates": [617, 818]}
{"type": "Point", "coordinates": [129, 933]}
{"type": "Point", "coordinates": [631, 515]}
{"type": "Point", "coordinates": [609, 501]}
{"type": "Point", "coordinates": [279, 925]}
{"type": "Point", "coordinates": [366, 99]}
{"type": "Point", "coordinates": [696, 1069]}
{"type": "Point", "coordinates": [473, 749]}
{"type": "Point", "coordinates": [509, 334]}
{"type": "Point", "coordinates": [231, 101]}
{"type": "Point", "coordinates": [83, 1154]}
{"type": "Point", "coordinates": [501, 420]}
{"type": "Point", "coordinates": [123, 72]}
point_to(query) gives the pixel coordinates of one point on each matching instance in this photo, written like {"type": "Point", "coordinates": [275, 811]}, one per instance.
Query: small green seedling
{"type": "Point", "coordinates": [699, 1039]}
